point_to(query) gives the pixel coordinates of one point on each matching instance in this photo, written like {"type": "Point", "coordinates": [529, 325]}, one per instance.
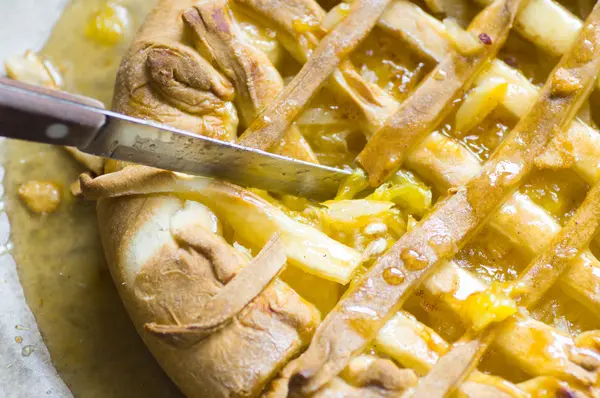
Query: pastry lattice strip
{"type": "Point", "coordinates": [374, 104]}
{"type": "Point", "coordinates": [522, 221]}
{"type": "Point", "coordinates": [431, 38]}
{"type": "Point", "coordinates": [385, 152]}
{"type": "Point", "coordinates": [418, 347]}
{"type": "Point", "coordinates": [435, 97]}
{"type": "Point", "coordinates": [528, 289]}
{"type": "Point", "coordinates": [547, 24]}
{"type": "Point", "coordinates": [452, 223]}
{"type": "Point", "coordinates": [543, 22]}
{"type": "Point", "coordinates": [451, 284]}
{"type": "Point", "coordinates": [329, 53]}
{"type": "Point", "coordinates": [548, 349]}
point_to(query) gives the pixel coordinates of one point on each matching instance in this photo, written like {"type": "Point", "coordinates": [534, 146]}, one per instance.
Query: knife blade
{"type": "Point", "coordinates": [48, 116]}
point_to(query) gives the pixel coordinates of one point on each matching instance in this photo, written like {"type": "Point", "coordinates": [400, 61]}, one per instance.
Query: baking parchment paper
{"type": "Point", "coordinates": [25, 370]}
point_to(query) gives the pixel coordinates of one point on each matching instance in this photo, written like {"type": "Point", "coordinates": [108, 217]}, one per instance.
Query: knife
{"type": "Point", "coordinates": [48, 116]}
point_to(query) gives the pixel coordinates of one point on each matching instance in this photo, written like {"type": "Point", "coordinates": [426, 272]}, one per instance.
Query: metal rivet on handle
{"type": "Point", "coordinates": [57, 131]}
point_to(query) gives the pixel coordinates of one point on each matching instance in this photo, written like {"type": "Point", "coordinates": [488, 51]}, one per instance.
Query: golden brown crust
{"type": "Point", "coordinates": [131, 180]}
{"type": "Point", "coordinates": [92, 163]}
{"type": "Point", "coordinates": [164, 79]}
{"type": "Point", "coordinates": [242, 210]}
{"type": "Point", "coordinates": [255, 79]}
{"type": "Point", "coordinates": [232, 298]}
{"type": "Point", "coordinates": [175, 284]}
{"type": "Point", "coordinates": [167, 259]}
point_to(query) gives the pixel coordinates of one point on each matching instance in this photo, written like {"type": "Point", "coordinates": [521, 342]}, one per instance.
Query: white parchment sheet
{"type": "Point", "coordinates": [25, 370]}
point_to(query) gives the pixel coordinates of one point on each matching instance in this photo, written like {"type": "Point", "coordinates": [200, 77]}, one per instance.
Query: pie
{"type": "Point", "coordinates": [459, 259]}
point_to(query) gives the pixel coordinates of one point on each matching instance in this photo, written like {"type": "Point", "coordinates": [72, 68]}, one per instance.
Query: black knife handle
{"type": "Point", "coordinates": [39, 114]}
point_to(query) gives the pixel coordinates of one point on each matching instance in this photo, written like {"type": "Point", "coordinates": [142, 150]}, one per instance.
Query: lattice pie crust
{"type": "Point", "coordinates": [224, 323]}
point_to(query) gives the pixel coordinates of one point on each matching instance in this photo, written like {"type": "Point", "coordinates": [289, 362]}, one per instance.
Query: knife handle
{"type": "Point", "coordinates": [33, 113]}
